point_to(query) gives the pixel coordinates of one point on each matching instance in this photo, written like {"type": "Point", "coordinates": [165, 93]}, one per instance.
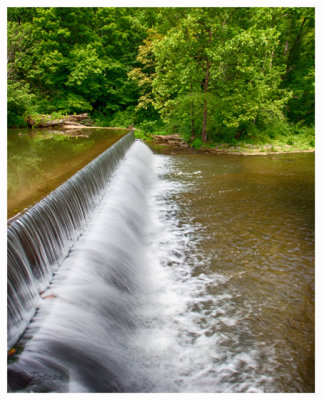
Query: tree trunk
{"type": "Point", "coordinates": [295, 44]}
{"type": "Point", "coordinates": [192, 117]}
{"type": "Point", "coordinates": [205, 105]}
{"type": "Point", "coordinates": [192, 128]}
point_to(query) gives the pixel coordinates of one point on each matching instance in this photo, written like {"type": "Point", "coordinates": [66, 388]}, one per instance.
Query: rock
{"type": "Point", "coordinates": [45, 120]}
{"type": "Point", "coordinates": [17, 379]}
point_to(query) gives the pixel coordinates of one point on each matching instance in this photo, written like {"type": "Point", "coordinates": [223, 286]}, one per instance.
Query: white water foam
{"type": "Point", "coordinates": [192, 341]}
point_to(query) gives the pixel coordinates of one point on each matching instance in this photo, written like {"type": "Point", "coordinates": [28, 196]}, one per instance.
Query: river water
{"type": "Point", "coordinates": [241, 252]}
{"type": "Point", "coordinates": [39, 160]}
{"type": "Point", "coordinates": [194, 274]}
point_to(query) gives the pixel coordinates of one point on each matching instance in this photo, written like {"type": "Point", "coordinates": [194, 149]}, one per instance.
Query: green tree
{"type": "Point", "coordinates": [216, 62]}
{"type": "Point", "coordinates": [19, 97]}
{"type": "Point", "coordinates": [247, 78]}
{"type": "Point", "coordinates": [297, 51]}
{"type": "Point", "coordinates": [78, 58]}
{"type": "Point", "coordinates": [208, 72]}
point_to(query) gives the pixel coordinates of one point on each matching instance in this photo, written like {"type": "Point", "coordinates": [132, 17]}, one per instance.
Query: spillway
{"type": "Point", "coordinates": [41, 238]}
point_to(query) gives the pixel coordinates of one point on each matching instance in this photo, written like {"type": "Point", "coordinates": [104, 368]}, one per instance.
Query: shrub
{"type": "Point", "coordinates": [149, 127]}
{"type": "Point", "coordinates": [123, 119]}
{"type": "Point", "coordinates": [19, 102]}
{"type": "Point", "coordinates": [196, 143]}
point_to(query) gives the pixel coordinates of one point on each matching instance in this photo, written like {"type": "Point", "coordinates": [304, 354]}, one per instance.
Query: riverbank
{"type": "Point", "coordinates": [171, 144]}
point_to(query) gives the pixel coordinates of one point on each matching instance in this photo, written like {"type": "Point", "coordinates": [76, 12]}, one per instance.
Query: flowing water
{"type": "Point", "coordinates": [42, 237]}
{"type": "Point", "coordinates": [193, 273]}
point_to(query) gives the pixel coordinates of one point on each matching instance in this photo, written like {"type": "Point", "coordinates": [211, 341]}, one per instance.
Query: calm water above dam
{"type": "Point", "coordinates": [194, 273]}
{"type": "Point", "coordinates": [39, 160]}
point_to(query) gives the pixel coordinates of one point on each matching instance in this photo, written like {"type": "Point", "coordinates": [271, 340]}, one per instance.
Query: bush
{"type": "Point", "coordinates": [196, 143]}
{"type": "Point", "coordinates": [277, 129]}
{"type": "Point", "coordinates": [123, 119]}
{"type": "Point", "coordinates": [101, 119]}
{"type": "Point", "coordinates": [149, 127]}
{"type": "Point", "coordinates": [71, 103]}
{"type": "Point", "coordinates": [284, 133]}
{"type": "Point", "coordinates": [141, 135]}
{"type": "Point", "coordinates": [19, 102]}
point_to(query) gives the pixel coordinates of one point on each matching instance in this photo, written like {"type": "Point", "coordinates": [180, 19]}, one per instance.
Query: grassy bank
{"type": "Point", "coordinates": [292, 138]}
{"type": "Point", "coordinates": [278, 137]}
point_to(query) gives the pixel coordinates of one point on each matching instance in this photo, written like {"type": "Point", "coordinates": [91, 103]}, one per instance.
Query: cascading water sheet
{"type": "Point", "coordinates": [40, 239]}
{"type": "Point", "coordinates": [82, 334]}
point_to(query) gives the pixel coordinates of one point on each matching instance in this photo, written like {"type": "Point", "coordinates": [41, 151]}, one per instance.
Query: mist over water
{"type": "Point", "coordinates": [187, 278]}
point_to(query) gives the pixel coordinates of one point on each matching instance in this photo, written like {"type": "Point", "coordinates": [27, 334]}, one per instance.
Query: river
{"type": "Point", "coordinates": [242, 248]}
{"type": "Point", "coordinates": [194, 274]}
{"type": "Point", "coordinates": [39, 160]}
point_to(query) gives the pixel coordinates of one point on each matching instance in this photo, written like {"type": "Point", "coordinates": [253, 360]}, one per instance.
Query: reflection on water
{"type": "Point", "coordinates": [251, 252]}
{"type": "Point", "coordinates": [39, 160]}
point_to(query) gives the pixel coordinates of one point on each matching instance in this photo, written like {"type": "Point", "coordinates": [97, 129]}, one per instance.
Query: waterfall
{"type": "Point", "coordinates": [80, 339]}
{"type": "Point", "coordinates": [40, 239]}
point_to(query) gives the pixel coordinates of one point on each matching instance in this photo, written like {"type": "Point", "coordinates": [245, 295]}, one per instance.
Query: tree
{"type": "Point", "coordinates": [208, 72]}
{"type": "Point", "coordinates": [247, 77]}
{"type": "Point", "coordinates": [217, 62]}
{"type": "Point", "coordinates": [19, 97]}
{"type": "Point", "coordinates": [71, 69]}
{"type": "Point", "coordinates": [297, 51]}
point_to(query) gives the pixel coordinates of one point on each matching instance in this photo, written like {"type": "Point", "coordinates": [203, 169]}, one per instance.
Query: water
{"type": "Point", "coordinates": [243, 247]}
{"type": "Point", "coordinates": [41, 238]}
{"type": "Point", "coordinates": [39, 160]}
{"type": "Point", "coordinates": [194, 274]}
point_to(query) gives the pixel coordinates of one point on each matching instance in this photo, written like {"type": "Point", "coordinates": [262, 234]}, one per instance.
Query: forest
{"type": "Point", "coordinates": [209, 74]}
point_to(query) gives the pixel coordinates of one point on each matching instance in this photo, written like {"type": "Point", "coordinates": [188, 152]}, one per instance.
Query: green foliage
{"type": "Point", "coordinates": [101, 119]}
{"type": "Point", "coordinates": [228, 68]}
{"type": "Point", "coordinates": [145, 129]}
{"type": "Point", "coordinates": [226, 74]}
{"type": "Point", "coordinates": [297, 51]}
{"type": "Point", "coordinates": [148, 127]}
{"type": "Point", "coordinates": [139, 134]}
{"type": "Point", "coordinates": [75, 59]}
{"type": "Point", "coordinates": [71, 103]}
{"type": "Point", "coordinates": [124, 118]}
{"type": "Point", "coordinates": [275, 130]}
{"type": "Point", "coordinates": [19, 102]}
{"type": "Point", "coordinates": [37, 118]}
{"type": "Point", "coordinates": [196, 143]}
{"type": "Point", "coordinates": [285, 134]}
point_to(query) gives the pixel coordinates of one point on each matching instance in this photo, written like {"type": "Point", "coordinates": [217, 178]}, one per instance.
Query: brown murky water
{"type": "Point", "coordinates": [237, 239]}
{"type": "Point", "coordinates": [39, 160]}
{"type": "Point", "coordinates": [253, 222]}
